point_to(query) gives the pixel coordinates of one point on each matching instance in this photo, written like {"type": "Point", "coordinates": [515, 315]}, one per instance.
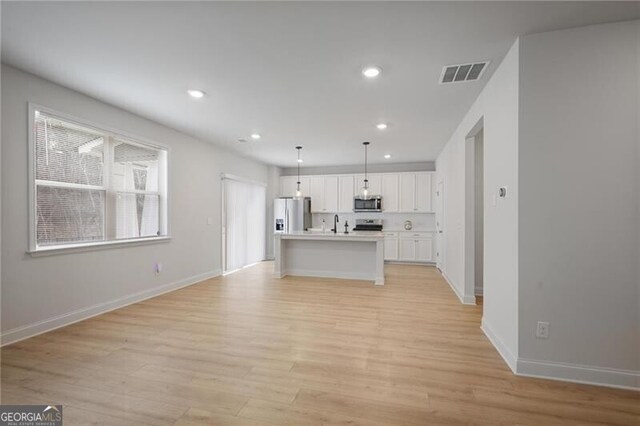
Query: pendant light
{"type": "Point", "coordinates": [298, 190]}
{"type": "Point", "coordinates": [365, 188]}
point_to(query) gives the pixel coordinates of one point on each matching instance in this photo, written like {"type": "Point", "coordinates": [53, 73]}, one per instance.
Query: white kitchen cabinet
{"type": "Point", "coordinates": [416, 247]}
{"type": "Point", "coordinates": [407, 249]}
{"type": "Point", "coordinates": [390, 201]}
{"type": "Point", "coordinates": [375, 184]}
{"type": "Point", "coordinates": [424, 250]}
{"type": "Point", "coordinates": [289, 184]}
{"type": "Point", "coordinates": [346, 191]}
{"type": "Point", "coordinates": [330, 194]}
{"type": "Point", "coordinates": [415, 192]}
{"type": "Point", "coordinates": [401, 192]}
{"type": "Point", "coordinates": [390, 246]}
{"type": "Point", "coordinates": [324, 194]}
{"type": "Point", "coordinates": [408, 192]}
{"type": "Point", "coordinates": [317, 194]}
{"type": "Point", "coordinates": [423, 192]}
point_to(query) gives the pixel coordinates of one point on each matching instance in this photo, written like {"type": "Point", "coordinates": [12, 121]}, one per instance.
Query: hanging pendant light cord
{"type": "Point", "coordinates": [366, 176]}
{"type": "Point", "coordinates": [298, 183]}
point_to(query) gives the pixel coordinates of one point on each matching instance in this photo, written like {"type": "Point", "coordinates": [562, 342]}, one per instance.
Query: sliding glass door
{"type": "Point", "coordinates": [244, 223]}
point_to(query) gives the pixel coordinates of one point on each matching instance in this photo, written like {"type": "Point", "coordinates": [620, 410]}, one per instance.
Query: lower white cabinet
{"type": "Point", "coordinates": [424, 250]}
{"type": "Point", "coordinates": [390, 246]}
{"type": "Point", "coordinates": [415, 247]}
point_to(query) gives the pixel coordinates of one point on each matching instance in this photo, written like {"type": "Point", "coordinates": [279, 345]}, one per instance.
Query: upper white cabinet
{"type": "Point", "coordinates": [423, 192]}
{"type": "Point", "coordinates": [375, 184]}
{"type": "Point", "coordinates": [324, 194]}
{"type": "Point", "coordinates": [415, 192]}
{"type": "Point", "coordinates": [407, 192]}
{"type": "Point", "coordinates": [346, 190]}
{"type": "Point", "coordinates": [330, 194]}
{"type": "Point", "coordinates": [390, 199]}
{"type": "Point", "coordinates": [289, 184]}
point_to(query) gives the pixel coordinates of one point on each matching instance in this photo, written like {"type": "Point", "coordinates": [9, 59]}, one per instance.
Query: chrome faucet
{"type": "Point", "coordinates": [335, 224]}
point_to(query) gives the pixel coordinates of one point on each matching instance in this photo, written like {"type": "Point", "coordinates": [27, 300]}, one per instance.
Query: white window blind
{"type": "Point", "coordinates": [245, 223]}
{"type": "Point", "coordinates": [93, 186]}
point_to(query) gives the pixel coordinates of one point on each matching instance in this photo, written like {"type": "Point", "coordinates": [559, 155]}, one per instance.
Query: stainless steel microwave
{"type": "Point", "coordinates": [370, 204]}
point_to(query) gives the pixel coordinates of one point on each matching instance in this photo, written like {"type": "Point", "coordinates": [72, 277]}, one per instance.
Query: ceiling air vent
{"type": "Point", "coordinates": [464, 72]}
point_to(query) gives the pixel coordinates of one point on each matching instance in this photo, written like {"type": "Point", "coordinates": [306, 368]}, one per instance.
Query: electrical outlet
{"type": "Point", "coordinates": [542, 332]}
{"type": "Point", "coordinates": [158, 268]}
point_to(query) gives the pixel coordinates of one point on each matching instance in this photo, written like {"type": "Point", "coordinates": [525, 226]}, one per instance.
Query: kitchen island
{"type": "Point", "coordinates": [357, 255]}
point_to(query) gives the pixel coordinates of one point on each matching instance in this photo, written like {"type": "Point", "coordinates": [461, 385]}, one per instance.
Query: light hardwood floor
{"type": "Point", "coordinates": [248, 349]}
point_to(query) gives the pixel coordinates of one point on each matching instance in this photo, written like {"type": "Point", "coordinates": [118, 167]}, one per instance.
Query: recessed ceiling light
{"type": "Point", "coordinates": [195, 93]}
{"type": "Point", "coordinates": [255, 136]}
{"type": "Point", "coordinates": [381, 126]}
{"type": "Point", "coordinates": [300, 160]}
{"type": "Point", "coordinates": [387, 156]}
{"type": "Point", "coordinates": [371, 72]}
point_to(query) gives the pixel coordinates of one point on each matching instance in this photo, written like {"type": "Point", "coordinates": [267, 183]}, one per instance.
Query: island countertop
{"type": "Point", "coordinates": [330, 236]}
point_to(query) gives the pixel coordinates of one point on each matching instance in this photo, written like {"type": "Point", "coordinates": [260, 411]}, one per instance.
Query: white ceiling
{"type": "Point", "coordinates": [289, 71]}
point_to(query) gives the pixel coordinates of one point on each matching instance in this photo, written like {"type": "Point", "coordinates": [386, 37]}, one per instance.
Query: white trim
{"type": "Point", "coordinates": [40, 182]}
{"type": "Point", "coordinates": [31, 177]}
{"type": "Point", "coordinates": [465, 300]}
{"type": "Point", "coordinates": [24, 332]}
{"type": "Point", "coordinates": [100, 128]}
{"type": "Point", "coordinates": [343, 275]}
{"type": "Point", "coordinates": [100, 245]}
{"type": "Point", "coordinates": [623, 379]}
{"type": "Point", "coordinates": [497, 343]}
{"type": "Point", "coordinates": [237, 178]}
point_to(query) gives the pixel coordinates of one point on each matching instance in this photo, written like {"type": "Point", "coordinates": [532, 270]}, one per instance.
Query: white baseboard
{"type": "Point", "coordinates": [497, 343]}
{"type": "Point", "coordinates": [344, 275]}
{"type": "Point", "coordinates": [624, 379]}
{"type": "Point", "coordinates": [24, 332]}
{"type": "Point", "coordinates": [465, 300]}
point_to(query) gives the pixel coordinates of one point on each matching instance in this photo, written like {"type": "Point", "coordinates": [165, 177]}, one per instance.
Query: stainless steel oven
{"type": "Point", "coordinates": [369, 204]}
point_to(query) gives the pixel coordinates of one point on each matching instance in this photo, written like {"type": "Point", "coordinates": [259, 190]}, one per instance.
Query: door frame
{"type": "Point", "coordinates": [470, 212]}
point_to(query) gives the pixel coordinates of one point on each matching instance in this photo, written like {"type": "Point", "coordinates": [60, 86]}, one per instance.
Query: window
{"type": "Point", "coordinates": [93, 186]}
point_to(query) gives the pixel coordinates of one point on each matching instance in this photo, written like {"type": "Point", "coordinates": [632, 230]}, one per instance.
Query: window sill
{"type": "Point", "coordinates": [102, 245]}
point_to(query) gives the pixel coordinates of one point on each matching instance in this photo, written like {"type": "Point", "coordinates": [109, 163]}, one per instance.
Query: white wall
{"type": "Point", "coordinates": [561, 133]}
{"type": "Point", "coordinates": [497, 107]}
{"type": "Point", "coordinates": [38, 293]}
{"type": "Point", "coordinates": [273, 188]}
{"type": "Point", "coordinates": [579, 193]}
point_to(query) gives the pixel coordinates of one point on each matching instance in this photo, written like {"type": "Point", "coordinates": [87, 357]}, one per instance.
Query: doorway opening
{"type": "Point", "coordinates": [474, 216]}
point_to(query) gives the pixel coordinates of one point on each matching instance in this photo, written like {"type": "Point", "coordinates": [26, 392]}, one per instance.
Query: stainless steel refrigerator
{"type": "Point", "coordinates": [291, 214]}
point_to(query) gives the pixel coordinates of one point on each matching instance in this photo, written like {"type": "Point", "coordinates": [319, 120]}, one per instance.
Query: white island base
{"type": "Point", "coordinates": [356, 256]}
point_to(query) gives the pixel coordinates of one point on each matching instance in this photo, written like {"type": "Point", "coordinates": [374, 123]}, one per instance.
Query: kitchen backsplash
{"type": "Point", "coordinates": [390, 221]}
